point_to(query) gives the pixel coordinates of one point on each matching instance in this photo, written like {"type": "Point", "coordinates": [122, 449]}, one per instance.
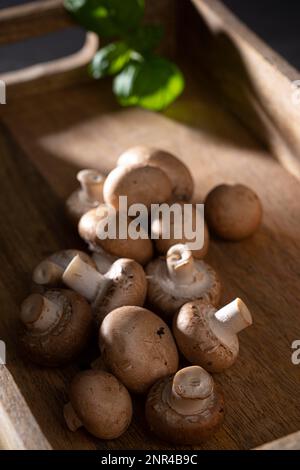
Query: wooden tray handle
{"type": "Point", "coordinates": [35, 19]}
{"type": "Point", "coordinates": [59, 73]}
{"type": "Point", "coordinates": [32, 19]}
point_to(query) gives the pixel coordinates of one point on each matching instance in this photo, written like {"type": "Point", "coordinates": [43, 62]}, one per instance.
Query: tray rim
{"type": "Point", "coordinates": [10, 420]}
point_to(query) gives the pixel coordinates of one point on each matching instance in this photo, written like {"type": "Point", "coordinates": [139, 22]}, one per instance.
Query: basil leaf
{"type": "Point", "coordinates": [107, 17]}
{"type": "Point", "coordinates": [109, 60]}
{"type": "Point", "coordinates": [152, 83]}
{"type": "Point", "coordinates": [146, 38]}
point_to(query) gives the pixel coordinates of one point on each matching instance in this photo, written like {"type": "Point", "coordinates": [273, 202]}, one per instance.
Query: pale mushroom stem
{"type": "Point", "coordinates": [40, 313]}
{"type": "Point", "coordinates": [85, 280]}
{"type": "Point", "coordinates": [180, 264]}
{"type": "Point", "coordinates": [91, 182]}
{"type": "Point", "coordinates": [47, 272]}
{"type": "Point", "coordinates": [191, 390]}
{"type": "Point", "coordinates": [234, 317]}
{"type": "Point", "coordinates": [71, 418]}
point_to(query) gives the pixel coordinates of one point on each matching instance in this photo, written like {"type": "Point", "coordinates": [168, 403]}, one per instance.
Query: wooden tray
{"type": "Point", "coordinates": [56, 122]}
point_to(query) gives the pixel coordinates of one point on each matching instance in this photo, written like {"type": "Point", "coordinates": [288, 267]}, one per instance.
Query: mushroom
{"type": "Point", "coordinates": [207, 336]}
{"type": "Point", "coordinates": [124, 284]}
{"type": "Point", "coordinates": [143, 184]}
{"type": "Point", "coordinates": [100, 403]}
{"type": "Point", "coordinates": [99, 364]}
{"type": "Point", "coordinates": [138, 347]}
{"type": "Point", "coordinates": [186, 408]}
{"type": "Point", "coordinates": [56, 326]}
{"type": "Point", "coordinates": [103, 260]}
{"type": "Point", "coordinates": [92, 229]}
{"type": "Point", "coordinates": [169, 226]}
{"type": "Point", "coordinates": [179, 278]}
{"type": "Point", "coordinates": [233, 212]}
{"type": "Point", "coordinates": [49, 271]}
{"type": "Point", "coordinates": [89, 194]}
{"type": "Point", "coordinates": [178, 173]}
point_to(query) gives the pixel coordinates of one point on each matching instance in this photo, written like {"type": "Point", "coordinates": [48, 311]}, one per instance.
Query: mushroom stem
{"type": "Point", "coordinates": [39, 313]}
{"type": "Point", "coordinates": [190, 391]}
{"type": "Point", "coordinates": [47, 272]}
{"type": "Point", "coordinates": [235, 317]}
{"type": "Point", "coordinates": [85, 280]}
{"type": "Point", "coordinates": [91, 182]}
{"type": "Point", "coordinates": [71, 418]}
{"type": "Point", "coordinates": [180, 264]}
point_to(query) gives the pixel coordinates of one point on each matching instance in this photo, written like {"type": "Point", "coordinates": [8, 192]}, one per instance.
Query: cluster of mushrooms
{"type": "Point", "coordinates": [76, 293]}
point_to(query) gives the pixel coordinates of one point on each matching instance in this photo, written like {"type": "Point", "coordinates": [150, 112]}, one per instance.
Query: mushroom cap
{"type": "Point", "coordinates": [47, 274]}
{"type": "Point", "coordinates": [129, 287]}
{"type": "Point", "coordinates": [102, 403]}
{"type": "Point", "coordinates": [162, 245]}
{"type": "Point", "coordinates": [166, 296]}
{"type": "Point", "coordinates": [182, 429]}
{"type": "Point", "coordinates": [143, 184]}
{"type": "Point", "coordinates": [233, 212]}
{"type": "Point", "coordinates": [60, 344]}
{"type": "Point", "coordinates": [198, 343]}
{"type": "Point", "coordinates": [178, 173]}
{"type": "Point", "coordinates": [140, 249]}
{"type": "Point", "coordinates": [138, 347]}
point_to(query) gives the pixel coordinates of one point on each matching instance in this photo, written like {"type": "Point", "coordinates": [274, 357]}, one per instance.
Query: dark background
{"type": "Point", "coordinates": [276, 21]}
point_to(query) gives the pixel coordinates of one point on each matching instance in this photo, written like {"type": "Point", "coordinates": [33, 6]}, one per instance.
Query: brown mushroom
{"type": "Point", "coordinates": [92, 226]}
{"type": "Point", "coordinates": [143, 184]}
{"type": "Point", "coordinates": [179, 278]}
{"type": "Point", "coordinates": [138, 347]}
{"type": "Point", "coordinates": [56, 326]}
{"type": "Point", "coordinates": [89, 194]}
{"type": "Point", "coordinates": [49, 271]}
{"type": "Point", "coordinates": [178, 173]}
{"type": "Point", "coordinates": [103, 260]}
{"type": "Point", "coordinates": [185, 409]}
{"type": "Point", "coordinates": [99, 364]}
{"type": "Point", "coordinates": [207, 336]}
{"type": "Point", "coordinates": [100, 403]}
{"type": "Point", "coordinates": [233, 212]}
{"type": "Point", "coordinates": [123, 284]}
{"type": "Point", "coordinates": [173, 228]}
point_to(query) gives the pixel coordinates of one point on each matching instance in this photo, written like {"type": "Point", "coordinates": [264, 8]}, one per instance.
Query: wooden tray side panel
{"type": "Point", "coordinates": [19, 429]}
{"type": "Point", "coordinates": [254, 81]}
{"type": "Point", "coordinates": [32, 19]}
{"type": "Point", "coordinates": [291, 442]}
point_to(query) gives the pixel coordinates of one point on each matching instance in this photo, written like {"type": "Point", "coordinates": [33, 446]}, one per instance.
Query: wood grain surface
{"type": "Point", "coordinates": [256, 82]}
{"type": "Point", "coordinates": [52, 75]}
{"type": "Point", "coordinates": [32, 19]}
{"type": "Point", "coordinates": [83, 126]}
{"type": "Point", "coordinates": [61, 131]}
{"type": "Point", "coordinates": [291, 442]}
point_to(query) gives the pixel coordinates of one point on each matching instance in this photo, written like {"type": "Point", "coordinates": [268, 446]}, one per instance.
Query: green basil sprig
{"type": "Point", "coordinates": [142, 77]}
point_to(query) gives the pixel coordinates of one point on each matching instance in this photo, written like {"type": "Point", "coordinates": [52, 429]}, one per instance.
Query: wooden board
{"type": "Point", "coordinates": [256, 83]}
{"type": "Point", "coordinates": [291, 442]}
{"type": "Point", "coordinates": [83, 126]}
{"type": "Point", "coordinates": [64, 130]}
{"type": "Point", "coordinates": [32, 19]}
